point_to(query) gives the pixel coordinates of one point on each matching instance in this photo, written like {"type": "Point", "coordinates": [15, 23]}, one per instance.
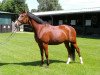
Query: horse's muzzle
{"type": "Point", "coordinates": [17, 24]}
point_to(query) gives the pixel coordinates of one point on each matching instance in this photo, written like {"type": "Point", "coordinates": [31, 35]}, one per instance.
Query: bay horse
{"type": "Point", "coordinates": [46, 34]}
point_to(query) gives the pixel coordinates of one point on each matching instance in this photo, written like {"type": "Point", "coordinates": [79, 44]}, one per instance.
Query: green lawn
{"type": "Point", "coordinates": [21, 56]}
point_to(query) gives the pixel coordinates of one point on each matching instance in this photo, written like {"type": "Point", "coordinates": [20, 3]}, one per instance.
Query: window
{"type": "Point", "coordinates": [73, 22]}
{"type": "Point", "coordinates": [60, 22]}
{"type": "Point", "coordinates": [88, 22]}
{"type": "Point", "coordinates": [5, 19]}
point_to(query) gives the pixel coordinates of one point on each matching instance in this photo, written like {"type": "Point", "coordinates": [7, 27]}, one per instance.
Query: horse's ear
{"type": "Point", "coordinates": [27, 12]}
{"type": "Point", "coordinates": [23, 12]}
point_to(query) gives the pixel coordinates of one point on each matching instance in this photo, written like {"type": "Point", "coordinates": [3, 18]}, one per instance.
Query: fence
{"type": "Point", "coordinates": [5, 28]}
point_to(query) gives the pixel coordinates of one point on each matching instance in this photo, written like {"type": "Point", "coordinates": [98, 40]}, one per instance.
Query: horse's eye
{"type": "Point", "coordinates": [22, 16]}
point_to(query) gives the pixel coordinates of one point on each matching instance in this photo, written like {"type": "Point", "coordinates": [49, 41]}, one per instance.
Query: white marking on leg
{"type": "Point", "coordinates": [81, 61]}
{"type": "Point", "coordinates": [68, 61]}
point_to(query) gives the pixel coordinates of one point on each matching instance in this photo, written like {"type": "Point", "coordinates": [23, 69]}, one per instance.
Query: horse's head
{"type": "Point", "coordinates": [22, 19]}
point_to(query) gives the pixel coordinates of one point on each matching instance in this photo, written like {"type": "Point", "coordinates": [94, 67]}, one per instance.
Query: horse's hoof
{"type": "Point", "coordinates": [81, 62]}
{"type": "Point", "coordinates": [68, 60]}
{"type": "Point", "coordinates": [67, 63]}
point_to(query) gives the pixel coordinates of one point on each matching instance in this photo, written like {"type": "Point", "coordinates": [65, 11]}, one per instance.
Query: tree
{"type": "Point", "coordinates": [0, 5]}
{"type": "Point", "coordinates": [7, 5]}
{"type": "Point", "coordinates": [20, 6]}
{"type": "Point", "coordinates": [34, 10]}
{"type": "Point", "coordinates": [48, 5]}
{"type": "Point", "coordinates": [14, 6]}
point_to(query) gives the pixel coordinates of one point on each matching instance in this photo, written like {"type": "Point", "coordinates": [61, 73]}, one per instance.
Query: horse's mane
{"type": "Point", "coordinates": [37, 19]}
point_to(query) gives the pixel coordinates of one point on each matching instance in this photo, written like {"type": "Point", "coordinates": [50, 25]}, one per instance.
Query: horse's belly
{"type": "Point", "coordinates": [54, 43]}
{"type": "Point", "coordinates": [57, 39]}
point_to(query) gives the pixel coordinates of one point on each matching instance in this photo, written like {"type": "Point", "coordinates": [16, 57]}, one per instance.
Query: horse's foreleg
{"type": "Point", "coordinates": [42, 53]}
{"type": "Point", "coordinates": [46, 52]}
{"type": "Point", "coordinates": [78, 51]}
{"type": "Point", "coordinates": [42, 56]}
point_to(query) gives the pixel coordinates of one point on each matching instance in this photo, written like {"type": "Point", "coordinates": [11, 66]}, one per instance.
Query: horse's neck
{"type": "Point", "coordinates": [36, 26]}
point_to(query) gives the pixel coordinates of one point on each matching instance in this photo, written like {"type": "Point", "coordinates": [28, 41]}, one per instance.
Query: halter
{"type": "Point", "coordinates": [20, 21]}
{"type": "Point", "coordinates": [20, 24]}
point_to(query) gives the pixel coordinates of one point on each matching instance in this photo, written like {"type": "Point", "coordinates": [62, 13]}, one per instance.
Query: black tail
{"type": "Point", "coordinates": [72, 52]}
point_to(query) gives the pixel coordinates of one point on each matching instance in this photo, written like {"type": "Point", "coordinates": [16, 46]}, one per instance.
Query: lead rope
{"type": "Point", "coordinates": [9, 37]}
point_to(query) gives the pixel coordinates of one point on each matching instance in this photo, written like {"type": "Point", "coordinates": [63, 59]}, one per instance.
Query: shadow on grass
{"type": "Point", "coordinates": [35, 63]}
{"type": "Point", "coordinates": [89, 36]}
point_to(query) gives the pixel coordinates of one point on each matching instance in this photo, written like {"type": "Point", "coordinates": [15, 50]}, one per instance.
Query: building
{"type": "Point", "coordinates": [85, 21]}
{"type": "Point", "coordinates": [6, 19]}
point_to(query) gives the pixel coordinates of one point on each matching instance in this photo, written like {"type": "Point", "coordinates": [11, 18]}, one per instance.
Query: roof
{"type": "Point", "coordinates": [6, 12]}
{"type": "Point", "coordinates": [83, 10]}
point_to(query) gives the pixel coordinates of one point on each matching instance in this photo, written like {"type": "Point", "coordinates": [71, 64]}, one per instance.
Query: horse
{"type": "Point", "coordinates": [46, 34]}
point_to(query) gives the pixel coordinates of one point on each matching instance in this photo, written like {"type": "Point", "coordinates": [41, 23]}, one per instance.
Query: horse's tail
{"type": "Point", "coordinates": [72, 52]}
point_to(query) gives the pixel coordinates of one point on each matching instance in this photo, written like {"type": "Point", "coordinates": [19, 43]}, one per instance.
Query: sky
{"type": "Point", "coordinates": [68, 4]}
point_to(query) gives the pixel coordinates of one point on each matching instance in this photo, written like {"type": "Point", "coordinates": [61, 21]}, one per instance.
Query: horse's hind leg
{"type": "Point", "coordinates": [69, 53]}
{"type": "Point", "coordinates": [78, 51]}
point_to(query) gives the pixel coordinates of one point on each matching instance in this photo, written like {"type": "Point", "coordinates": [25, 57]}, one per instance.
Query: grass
{"type": "Point", "coordinates": [21, 56]}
